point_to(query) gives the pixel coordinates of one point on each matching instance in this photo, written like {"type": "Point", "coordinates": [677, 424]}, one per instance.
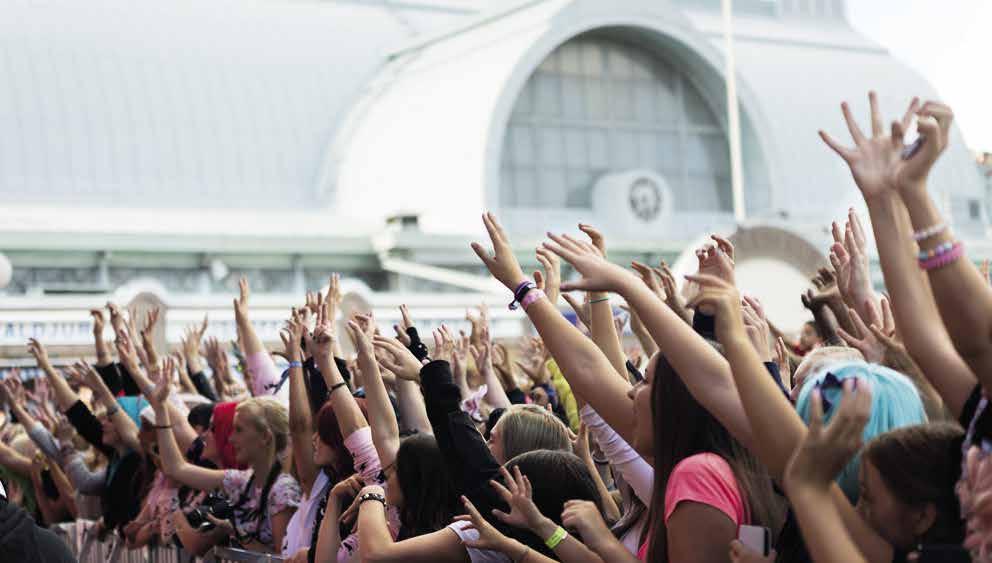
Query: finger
{"type": "Point", "coordinates": [562, 252]}
{"type": "Point", "coordinates": [907, 118]}
{"type": "Point", "coordinates": [880, 335]}
{"type": "Point", "coordinates": [852, 124]}
{"type": "Point", "coordinates": [511, 482]}
{"type": "Point", "coordinates": [842, 151]}
{"type": "Point", "coordinates": [898, 135]}
{"type": "Point", "coordinates": [707, 280]}
{"type": "Point", "coordinates": [503, 492]}
{"type": "Point", "coordinates": [850, 340]}
{"type": "Point", "coordinates": [877, 125]}
{"type": "Point", "coordinates": [930, 129]}
{"type": "Point", "coordinates": [815, 413]}
{"type": "Point", "coordinates": [859, 323]}
{"type": "Point", "coordinates": [490, 223]}
{"type": "Point", "coordinates": [857, 228]}
{"type": "Point", "coordinates": [564, 243]}
{"type": "Point", "coordinates": [482, 253]}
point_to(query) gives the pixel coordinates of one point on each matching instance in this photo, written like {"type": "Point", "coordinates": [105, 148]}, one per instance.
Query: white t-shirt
{"type": "Point", "coordinates": [299, 532]}
{"type": "Point", "coordinates": [477, 555]}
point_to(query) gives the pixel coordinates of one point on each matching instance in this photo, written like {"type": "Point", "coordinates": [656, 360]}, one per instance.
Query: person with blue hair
{"type": "Point", "coordinates": [895, 403]}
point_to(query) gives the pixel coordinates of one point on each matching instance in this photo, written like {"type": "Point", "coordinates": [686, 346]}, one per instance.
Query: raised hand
{"type": "Point", "coordinates": [323, 340]}
{"type": "Point", "coordinates": [717, 259]}
{"type": "Point", "coordinates": [99, 323]}
{"type": "Point", "coordinates": [650, 278]}
{"type": "Point", "coordinates": [595, 237]}
{"type": "Point", "coordinates": [361, 335]}
{"type": "Point", "coordinates": [36, 349]}
{"type": "Point", "coordinates": [489, 537]}
{"type": "Point", "coordinates": [866, 341]}
{"type": "Point", "coordinates": [723, 298]}
{"type": "Point", "coordinates": [597, 273]}
{"type": "Point", "coordinates": [332, 301]}
{"type": "Point", "coordinates": [444, 344]}
{"type": "Point", "coordinates": [582, 310]}
{"type": "Point", "coordinates": [291, 336]}
{"type": "Point", "coordinates": [241, 303]}
{"type": "Point", "coordinates": [757, 327]}
{"type": "Point", "coordinates": [518, 495]}
{"type": "Point", "coordinates": [405, 323]}
{"type": "Point", "coordinates": [878, 163]}
{"type": "Point", "coordinates": [160, 394]}
{"type": "Point", "coordinates": [825, 452]}
{"type": "Point", "coordinates": [502, 263]}
{"type": "Point", "coordinates": [116, 318]}
{"type": "Point", "coordinates": [673, 298]}
{"type": "Point", "coordinates": [550, 281]}
{"type": "Point", "coordinates": [583, 517]}
{"type": "Point", "coordinates": [397, 358]}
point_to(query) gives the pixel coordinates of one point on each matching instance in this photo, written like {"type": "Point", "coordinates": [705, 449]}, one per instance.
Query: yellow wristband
{"type": "Point", "coordinates": [556, 538]}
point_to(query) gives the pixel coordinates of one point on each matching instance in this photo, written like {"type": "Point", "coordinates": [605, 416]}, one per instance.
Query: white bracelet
{"type": "Point", "coordinates": [930, 232]}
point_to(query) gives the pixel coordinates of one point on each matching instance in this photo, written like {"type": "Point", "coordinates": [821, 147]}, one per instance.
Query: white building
{"type": "Point", "coordinates": [165, 149]}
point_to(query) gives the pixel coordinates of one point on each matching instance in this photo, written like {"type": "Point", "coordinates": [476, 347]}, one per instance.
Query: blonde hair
{"type": "Point", "coordinates": [267, 415]}
{"type": "Point", "coordinates": [526, 428]}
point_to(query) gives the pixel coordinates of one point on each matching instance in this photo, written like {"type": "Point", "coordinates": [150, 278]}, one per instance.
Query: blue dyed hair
{"type": "Point", "coordinates": [895, 403]}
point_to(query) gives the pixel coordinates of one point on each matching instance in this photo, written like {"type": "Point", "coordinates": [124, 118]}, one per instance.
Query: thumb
{"type": "Point", "coordinates": [578, 285]}
{"type": "Point", "coordinates": [503, 517]}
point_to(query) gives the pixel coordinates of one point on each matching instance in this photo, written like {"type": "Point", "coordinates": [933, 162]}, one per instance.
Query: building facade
{"type": "Point", "coordinates": [159, 153]}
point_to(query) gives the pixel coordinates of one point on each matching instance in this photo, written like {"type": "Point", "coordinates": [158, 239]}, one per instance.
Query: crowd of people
{"type": "Point", "coordinates": [717, 438]}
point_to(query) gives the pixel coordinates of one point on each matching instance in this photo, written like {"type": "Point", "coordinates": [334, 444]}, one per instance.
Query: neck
{"type": "Point", "coordinates": [262, 466]}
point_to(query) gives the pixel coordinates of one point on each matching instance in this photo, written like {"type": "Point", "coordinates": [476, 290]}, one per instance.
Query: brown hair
{"type": "Point", "coordinates": [900, 457]}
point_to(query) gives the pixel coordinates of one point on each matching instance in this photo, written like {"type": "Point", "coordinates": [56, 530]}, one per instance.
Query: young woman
{"type": "Point", "coordinates": [263, 496]}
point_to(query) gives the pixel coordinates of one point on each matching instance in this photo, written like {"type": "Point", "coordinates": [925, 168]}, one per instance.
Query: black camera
{"type": "Point", "coordinates": [215, 505]}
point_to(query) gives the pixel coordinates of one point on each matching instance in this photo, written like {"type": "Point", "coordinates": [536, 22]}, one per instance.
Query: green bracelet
{"type": "Point", "coordinates": [556, 538]}
{"type": "Point", "coordinates": [600, 300]}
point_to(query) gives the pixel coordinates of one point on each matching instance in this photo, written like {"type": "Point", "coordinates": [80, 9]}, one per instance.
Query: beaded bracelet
{"type": "Point", "coordinates": [939, 261]}
{"type": "Point", "coordinates": [930, 232]}
{"type": "Point", "coordinates": [939, 250]}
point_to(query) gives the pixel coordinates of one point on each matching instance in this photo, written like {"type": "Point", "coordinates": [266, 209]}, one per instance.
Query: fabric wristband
{"type": "Point", "coordinates": [295, 364]}
{"type": "Point", "coordinates": [556, 538]}
{"type": "Point", "coordinates": [532, 296]}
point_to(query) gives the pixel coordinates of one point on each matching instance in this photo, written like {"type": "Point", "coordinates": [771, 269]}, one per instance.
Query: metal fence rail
{"type": "Point", "coordinates": [81, 537]}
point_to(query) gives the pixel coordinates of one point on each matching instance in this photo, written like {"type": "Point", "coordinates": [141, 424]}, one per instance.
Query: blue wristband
{"type": "Point", "coordinates": [295, 364]}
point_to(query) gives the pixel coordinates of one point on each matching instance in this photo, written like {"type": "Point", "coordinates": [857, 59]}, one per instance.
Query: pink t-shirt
{"type": "Point", "coordinates": [707, 479]}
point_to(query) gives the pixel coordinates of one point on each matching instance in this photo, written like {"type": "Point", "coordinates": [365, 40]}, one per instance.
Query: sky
{"type": "Point", "coordinates": [949, 42]}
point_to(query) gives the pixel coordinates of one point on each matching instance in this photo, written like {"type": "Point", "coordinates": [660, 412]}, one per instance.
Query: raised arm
{"type": "Point", "coordinates": [813, 468]}
{"type": "Point", "coordinates": [300, 421]}
{"type": "Point", "coordinates": [578, 357]}
{"type": "Point", "coordinates": [483, 356]}
{"type": "Point", "coordinates": [350, 417]}
{"type": "Point", "coordinates": [174, 465]}
{"type": "Point", "coordinates": [963, 296]}
{"type": "Point", "coordinates": [103, 357]}
{"type": "Point", "coordinates": [65, 397]}
{"type": "Point", "coordinates": [126, 428]}
{"type": "Point", "coordinates": [382, 419]}
{"type": "Point", "coordinates": [879, 169]}
{"type": "Point", "coordinates": [127, 353]}
{"type": "Point", "coordinates": [769, 412]}
{"type": "Point", "coordinates": [705, 373]}
{"type": "Point", "coordinates": [602, 329]}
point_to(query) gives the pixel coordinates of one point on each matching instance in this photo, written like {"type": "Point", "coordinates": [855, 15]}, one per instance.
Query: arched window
{"type": "Point", "coordinates": [597, 105]}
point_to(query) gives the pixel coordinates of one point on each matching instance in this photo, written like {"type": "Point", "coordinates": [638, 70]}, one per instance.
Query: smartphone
{"type": "Point", "coordinates": [756, 538]}
{"type": "Point", "coordinates": [943, 553]}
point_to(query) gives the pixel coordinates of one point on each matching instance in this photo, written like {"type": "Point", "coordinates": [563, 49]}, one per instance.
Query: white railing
{"type": "Point", "coordinates": [81, 537]}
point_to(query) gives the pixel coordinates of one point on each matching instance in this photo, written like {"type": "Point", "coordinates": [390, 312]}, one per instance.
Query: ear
{"type": "Point", "coordinates": [923, 518]}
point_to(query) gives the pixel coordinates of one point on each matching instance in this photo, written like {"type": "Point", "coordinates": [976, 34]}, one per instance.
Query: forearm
{"type": "Point", "coordinates": [374, 539]}
{"type": "Point", "coordinates": [570, 549]}
{"type": "Point", "coordinates": [495, 393]}
{"type": "Point", "coordinates": [382, 419]}
{"type": "Point", "coordinates": [85, 481]}
{"type": "Point", "coordinates": [826, 323]}
{"type": "Point", "coordinates": [768, 411]}
{"type": "Point", "coordinates": [43, 439]}
{"type": "Point", "coordinates": [826, 537]}
{"type": "Point", "coordinates": [648, 345]}
{"type": "Point", "coordinates": [611, 512]}
{"type": "Point", "coordinates": [703, 370]}
{"type": "Point", "coordinates": [583, 363]}
{"type": "Point", "coordinates": [14, 461]}
{"type": "Point", "coordinates": [329, 537]}
{"type": "Point", "coordinates": [65, 397]}
{"type": "Point", "coordinates": [249, 338]}
{"type": "Point", "coordinates": [604, 332]}
{"type": "Point", "coordinates": [67, 494]}
{"type": "Point", "coordinates": [413, 411]}
{"type": "Point", "coordinates": [350, 417]}
{"type": "Point", "coordinates": [103, 357]}
{"type": "Point", "coordinates": [843, 316]}
{"type": "Point", "coordinates": [963, 297]}
{"type": "Point", "coordinates": [913, 305]}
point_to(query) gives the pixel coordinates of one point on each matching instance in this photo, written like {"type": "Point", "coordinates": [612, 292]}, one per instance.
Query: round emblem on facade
{"type": "Point", "coordinates": [645, 199]}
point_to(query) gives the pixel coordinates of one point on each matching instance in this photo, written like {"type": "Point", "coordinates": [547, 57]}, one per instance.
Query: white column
{"type": "Point", "coordinates": [733, 115]}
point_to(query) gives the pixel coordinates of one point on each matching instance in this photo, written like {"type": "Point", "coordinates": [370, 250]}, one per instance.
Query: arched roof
{"type": "Point", "coordinates": [180, 103]}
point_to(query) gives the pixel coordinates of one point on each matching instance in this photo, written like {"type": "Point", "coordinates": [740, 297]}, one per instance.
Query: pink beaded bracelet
{"type": "Point", "coordinates": [532, 296]}
{"type": "Point", "coordinates": [939, 261]}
